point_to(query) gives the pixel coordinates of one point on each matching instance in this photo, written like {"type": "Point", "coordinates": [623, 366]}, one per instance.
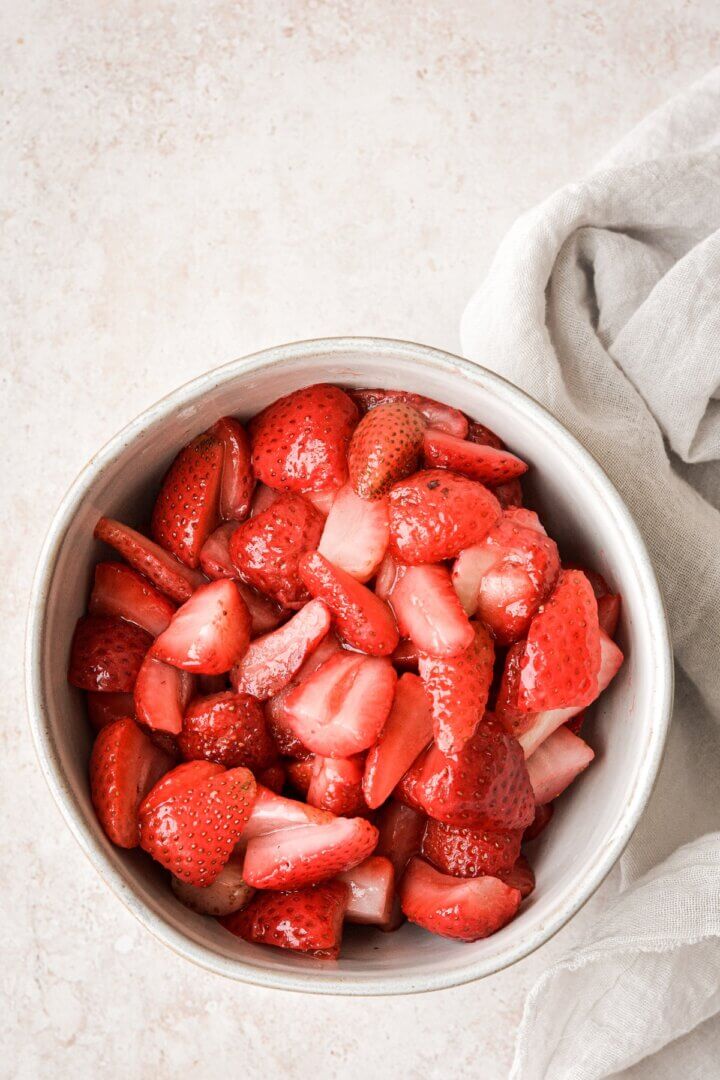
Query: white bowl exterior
{"type": "Point", "coordinates": [592, 822]}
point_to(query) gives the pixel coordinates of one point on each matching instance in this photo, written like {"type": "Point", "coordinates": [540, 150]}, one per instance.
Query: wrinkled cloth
{"type": "Point", "coordinates": [603, 303]}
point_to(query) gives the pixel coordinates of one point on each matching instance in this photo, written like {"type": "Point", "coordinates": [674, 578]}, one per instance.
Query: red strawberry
{"type": "Point", "coordinates": [273, 777]}
{"type": "Point", "coordinates": [466, 852]}
{"type": "Point", "coordinates": [294, 858]}
{"type": "Point", "coordinates": [215, 553]}
{"type": "Point", "coordinates": [119, 590]}
{"type": "Point", "coordinates": [372, 891]}
{"type": "Point", "coordinates": [237, 483]}
{"type": "Point", "coordinates": [406, 656]}
{"type": "Point", "coordinates": [466, 909]}
{"type": "Point", "coordinates": [265, 615]}
{"type": "Point", "coordinates": [164, 570]}
{"type": "Point", "coordinates": [307, 920]}
{"type": "Point", "coordinates": [106, 654]}
{"type": "Point", "coordinates": [479, 462]}
{"type": "Point", "coordinates": [299, 443]}
{"type": "Point", "coordinates": [266, 549]}
{"type": "Point", "coordinates": [179, 781]}
{"type": "Point", "coordinates": [228, 728]}
{"type": "Point", "coordinates": [428, 611]}
{"type": "Point", "coordinates": [506, 707]}
{"type": "Point", "coordinates": [124, 765]}
{"type": "Point", "coordinates": [227, 894]}
{"type": "Point", "coordinates": [521, 877]}
{"type": "Point", "coordinates": [384, 448]}
{"type": "Point", "coordinates": [407, 731]}
{"type": "Point", "coordinates": [362, 619]}
{"type": "Point", "coordinates": [323, 500]}
{"type": "Point", "coordinates": [162, 693]}
{"type": "Point", "coordinates": [388, 574]}
{"type": "Point", "coordinates": [436, 513]}
{"type": "Point", "coordinates": [556, 763]}
{"type": "Point", "coordinates": [300, 775]}
{"type": "Point", "coordinates": [103, 708]}
{"type": "Point", "coordinates": [263, 498]}
{"type": "Point", "coordinates": [543, 814]}
{"type": "Point", "coordinates": [437, 415]}
{"type": "Point", "coordinates": [271, 661]}
{"type": "Point", "coordinates": [509, 495]}
{"type": "Point", "coordinates": [272, 813]}
{"type": "Point", "coordinates": [401, 833]}
{"type": "Point", "coordinates": [356, 534]}
{"type": "Point", "coordinates": [193, 830]}
{"type": "Point", "coordinates": [186, 510]}
{"type": "Point", "coordinates": [209, 633]}
{"type": "Point", "coordinates": [340, 709]}
{"type": "Point", "coordinates": [483, 436]}
{"type": "Point", "coordinates": [283, 735]}
{"type": "Point", "coordinates": [336, 785]}
{"type": "Point", "coordinates": [458, 688]}
{"type": "Point", "coordinates": [609, 613]}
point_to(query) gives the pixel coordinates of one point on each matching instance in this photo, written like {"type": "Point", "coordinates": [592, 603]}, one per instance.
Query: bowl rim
{"type": "Point", "coordinates": [48, 756]}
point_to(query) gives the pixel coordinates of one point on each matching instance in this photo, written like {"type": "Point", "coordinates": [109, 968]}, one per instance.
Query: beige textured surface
{"type": "Point", "coordinates": [184, 183]}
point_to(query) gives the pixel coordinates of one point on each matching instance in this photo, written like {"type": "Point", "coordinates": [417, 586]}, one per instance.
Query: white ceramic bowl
{"type": "Point", "coordinates": [593, 821]}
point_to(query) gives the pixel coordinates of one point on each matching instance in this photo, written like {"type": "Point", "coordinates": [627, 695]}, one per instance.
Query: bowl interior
{"type": "Point", "coordinates": [592, 821]}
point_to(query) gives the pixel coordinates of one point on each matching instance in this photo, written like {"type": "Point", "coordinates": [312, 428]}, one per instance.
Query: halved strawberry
{"type": "Point", "coordinates": [272, 660]}
{"type": "Point", "coordinates": [513, 719]}
{"type": "Point", "coordinates": [119, 590]}
{"type": "Point", "coordinates": [438, 415]}
{"type": "Point", "coordinates": [384, 448]}
{"type": "Point", "coordinates": [162, 693]}
{"type": "Point", "coordinates": [436, 513]}
{"type": "Point", "coordinates": [237, 483]}
{"type": "Point", "coordinates": [401, 833]}
{"type": "Point", "coordinates": [272, 813]}
{"type": "Point", "coordinates": [543, 814]}
{"type": "Point", "coordinates": [388, 573]}
{"type": "Point", "coordinates": [356, 534]}
{"type": "Point", "coordinates": [186, 509]}
{"type": "Point", "coordinates": [458, 689]}
{"type": "Point", "coordinates": [124, 766]}
{"type": "Point", "coordinates": [283, 735]}
{"type": "Point", "coordinates": [556, 763]}
{"type": "Point", "coordinates": [294, 858]}
{"type": "Point", "coordinates": [106, 653]}
{"type": "Point", "coordinates": [299, 443]}
{"type": "Point", "coordinates": [228, 728]}
{"type": "Point", "coordinates": [307, 920]}
{"type": "Point", "coordinates": [478, 461]}
{"type": "Point", "coordinates": [609, 613]}
{"type": "Point", "coordinates": [336, 785]}
{"type": "Point", "coordinates": [228, 892]}
{"type": "Point", "coordinates": [467, 909]}
{"type": "Point", "coordinates": [163, 569]}
{"type": "Point", "coordinates": [299, 775]}
{"type": "Point", "coordinates": [361, 618]}
{"type": "Point", "coordinates": [406, 732]}
{"type": "Point", "coordinates": [209, 633]}
{"type": "Point", "coordinates": [273, 777]}
{"type": "Point", "coordinates": [266, 549]}
{"type": "Point", "coordinates": [467, 852]}
{"type": "Point", "coordinates": [372, 891]}
{"type": "Point", "coordinates": [215, 553]}
{"type": "Point", "coordinates": [322, 500]}
{"type": "Point", "coordinates": [484, 436]}
{"type": "Point", "coordinates": [521, 877]}
{"type": "Point", "coordinates": [103, 708]}
{"type": "Point", "coordinates": [192, 828]}
{"type": "Point", "coordinates": [428, 611]}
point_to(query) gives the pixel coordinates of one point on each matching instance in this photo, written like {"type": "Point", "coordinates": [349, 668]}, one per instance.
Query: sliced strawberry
{"type": "Point", "coordinates": [265, 615]}
{"type": "Point", "coordinates": [120, 591]}
{"type": "Point", "coordinates": [273, 777]}
{"type": "Point", "coordinates": [162, 693]}
{"type": "Point", "coordinates": [186, 510]}
{"type": "Point", "coordinates": [466, 852]}
{"type": "Point", "coordinates": [164, 571]}
{"type": "Point", "coordinates": [406, 656]}
{"type": "Point", "coordinates": [307, 920]}
{"type": "Point", "coordinates": [300, 775]}
{"type": "Point", "coordinates": [406, 732]}
{"type": "Point", "coordinates": [228, 892]}
{"type": "Point", "coordinates": [179, 781]}
{"type": "Point", "coordinates": [322, 500]}
{"type": "Point", "coordinates": [272, 660]}
{"type": "Point", "coordinates": [527, 518]}
{"type": "Point", "coordinates": [283, 735]}
{"type": "Point", "coordinates": [372, 891]}
{"type": "Point", "coordinates": [340, 709]}
{"type": "Point", "coordinates": [478, 461]}
{"type": "Point", "coordinates": [209, 633]}
{"type": "Point", "coordinates": [543, 815]}
{"type": "Point", "coordinates": [266, 549]}
{"type": "Point", "coordinates": [362, 619]}
{"type": "Point", "coordinates": [103, 708]}
{"type": "Point", "coordinates": [356, 534]}
{"type": "Point", "coordinates": [458, 688]}
{"type": "Point", "coordinates": [509, 495]}
{"type": "Point", "coordinates": [513, 719]}
{"type": "Point", "coordinates": [556, 763]}
{"type": "Point", "coordinates": [237, 483]}
{"type": "Point", "coordinates": [192, 832]}
{"type": "Point", "coordinates": [124, 766]}
{"type": "Point", "coordinates": [384, 448]}
{"type": "Point", "coordinates": [228, 728]}
{"type": "Point", "coordinates": [428, 611]}
{"type": "Point", "coordinates": [609, 613]}
{"type": "Point", "coordinates": [294, 858]}
{"type": "Point", "coordinates": [299, 443]}
{"type": "Point", "coordinates": [336, 785]}
{"type": "Point", "coordinates": [388, 574]}
{"type": "Point", "coordinates": [466, 910]}
{"type": "Point", "coordinates": [438, 415]}
{"type": "Point", "coordinates": [106, 654]}
{"type": "Point", "coordinates": [521, 877]}
{"type": "Point", "coordinates": [401, 833]}
{"type": "Point", "coordinates": [262, 499]}
{"type": "Point", "coordinates": [273, 813]}
{"type": "Point", "coordinates": [436, 513]}
{"type": "Point", "coordinates": [483, 436]}
{"type": "Point", "coordinates": [215, 553]}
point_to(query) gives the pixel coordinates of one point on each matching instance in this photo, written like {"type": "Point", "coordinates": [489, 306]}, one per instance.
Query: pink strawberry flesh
{"type": "Point", "coordinates": [521, 877]}
{"type": "Point", "coordinates": [362, 619]}
{"type": "Point", "coordinates": [401, 833]}
{"type": "Point", "coordinates": [237, 483]}
{"type": "Point", "coordinates": [372, 891]}
{"type": "Point", "coordinates": [479, 462]}
{"type": "Point", "coordinates": [215, 553]}
{"type": "Point", "coordinates": [458, 688]}
{"type": "Point", "coordinates": [428, 611]}
{"type": "Point", "coordinates": [106, 654]}
{"type": "Point", "coordinates": [336, 785]}
{"type": "Point", "coordinates": [121, 591]}
{"type": "Point", "coordinates": [285, 738]}
{"type": "Point", "coordinates": [272, 660]}
{"type": "Point", "coordinates": [556, 763]}
{"type": "Point", "coordinates": [438, 415]}
{"type": "Point", "coordinates": [356, 533]}
{"type": "Point", "coordinates": [209, 633]}
{"type": "Point", "coordinates": [463, 909]}
{"type": "Point", "coordinates": [162, 693]}
{"type": "Point", "coordinates": [272, 812]}
{"type": "Point", "coordinates": [307, 920]}
{"type": "Point", "coordinates": [227, 894]}
{"type": "Point", "coordinates": [186, 509]}
{"type": "Point", "coordinates": [406, 732]}
{"type": "Point", "coordinates": [166, 572]}
{"type": "Point", "coordinates": [295, 858]}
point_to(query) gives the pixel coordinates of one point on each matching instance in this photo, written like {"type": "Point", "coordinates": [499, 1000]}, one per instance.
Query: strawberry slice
{"type": "Point", "coordinates": [556, 763]}
{"type": "Point", "coordinates": [466, 852]}
{"type": "Point", "coordinates": [103, 708]}
{"type": "Point", "coordinates": [483, 436]}
{"type": "Point", "coordinates": [274, 813]}
{"type": "Point", "coordinates": [371, 892]}
{"type": "Point", "coordinates": [265, 615]}
{"type": "Point", "coordinates": [266, 549]}
{"type": "Point", "coordinates": [162, 693]}
{"type": "Point", "coordinates": [458, 688]}
{"type": "Point", "coordinates": [465, 910]}
{"type": "Point", "coordinates": [362, 619]}
{"type": "Point", "coordinates": [209, 633]}
{"type": "Point", "coordinates": [322, 500]}
{"type": "Point", "coordinates": [215, 553]}
{"type": "Point", "coordinates": [299, 775]}
{"type": "Point", "coordinates": [308, 921]}
{"type": "Point", "coordinates": [521, 877]}
{"type": "Point", "coordinates": [106, 653]}
{"type": "Point", "coordinates": [384, 448]}
{"type": "Point", "coordinates": [428, 611]}
{"type": "Point", "coordinates": [299, 443]}
{"type": "Point", "coordinates": [237, 482]}
{"type": "Point", "coordinates": [294, 858]}
{"type": "Point", "coordinates": [478, 461]}
{"type": "Point", "coordinates": [340, 709]}
{"type": "Point", "coordinates": [436, 513]}
{"type": "Point", "coordinates": [186, 510]}
{"type": "Point", "coordinates": [263, 498]}
{"type": "Point", "coordinates": [388, 574]}
{"type": "Point", "coordinates": [401, 835]}
{"type": "Point", "coordinates": [124, 766]}
{"type": "Point", "coordinates": [227, 894]}
{"type": "Point", "coordinates": [119, 590]}
{"type": "Point", "coordinates": [228, 728]}
{"type": "Point", "coordinates": [165, 572]}
{"type": "Point", "coordinates": [437, 415]}
{"type": "Point", "coordinates": [609, 613]}
{"type": "Point", "coordinates": [192, 827]}
{"type": "Point", "coordinates": [283, 735]}
{"type": "Point", "coordinates": [272, 660]}
{"type": "Point", "coordinates": [336, 785]}
{"type": "Point", "coordinates": [543, 815]}
{"type": "Point", "coordinates": [406, 656]}
{"type": "Point", "coordinates": [356, 534]}
{"type": "Point", "coordinates": [407, 731]}
{"type": "Point", "coordinates": [273, 777]}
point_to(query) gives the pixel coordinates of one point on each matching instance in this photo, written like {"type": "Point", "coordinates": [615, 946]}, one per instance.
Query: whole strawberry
{"type": "Point", "coordinates": [384, 448]}
{"type": "Point", "coordinates": [228, 728]}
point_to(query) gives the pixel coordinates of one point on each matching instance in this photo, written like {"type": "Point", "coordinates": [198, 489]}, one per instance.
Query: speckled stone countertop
{"type": "Point", "coordinates": [185, 182]}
